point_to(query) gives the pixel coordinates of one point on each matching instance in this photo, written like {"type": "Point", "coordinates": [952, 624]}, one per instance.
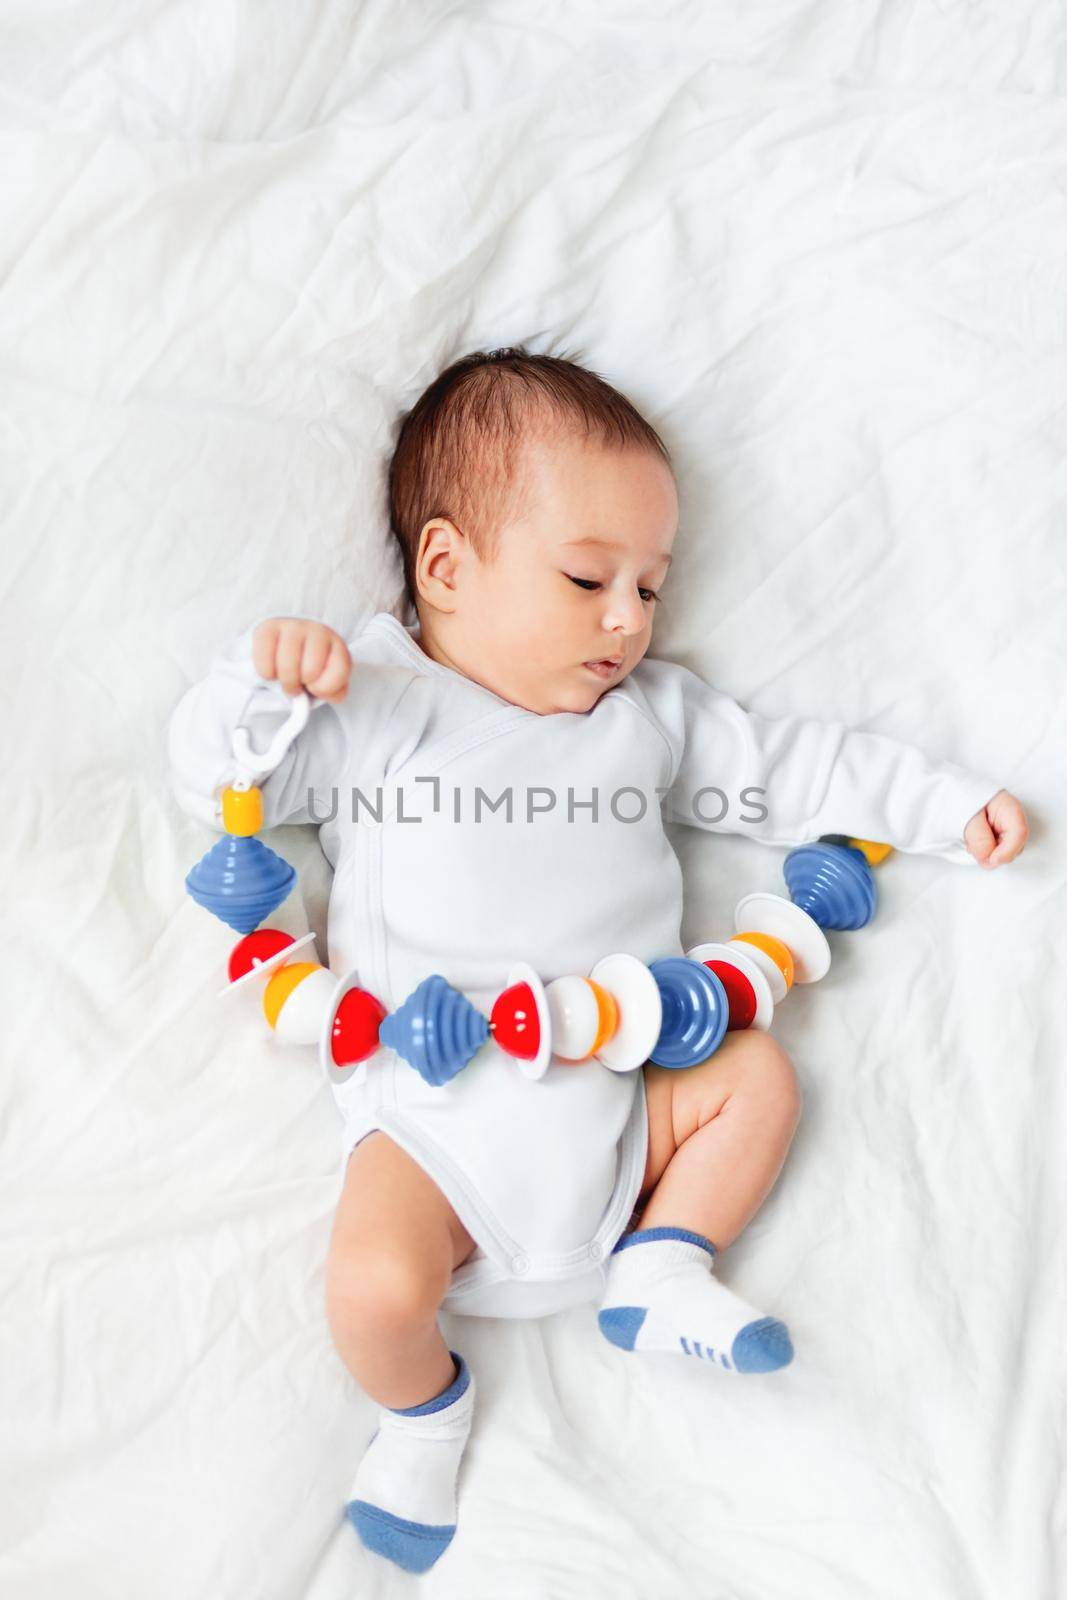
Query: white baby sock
{"type": "Point", "coordinates": [403, 1503]}
{"type": "Point", "coordinates": [661, 1294]}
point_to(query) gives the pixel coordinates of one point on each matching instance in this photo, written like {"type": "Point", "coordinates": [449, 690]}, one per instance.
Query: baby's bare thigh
{"type": "Point", "coordinates": [391, 1208]}
{"type": "Point", "coordinates": [678, 1103]}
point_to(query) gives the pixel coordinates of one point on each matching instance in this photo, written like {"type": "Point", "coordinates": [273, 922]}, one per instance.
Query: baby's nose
{"type": "Point", "coordinates": [624, 615]}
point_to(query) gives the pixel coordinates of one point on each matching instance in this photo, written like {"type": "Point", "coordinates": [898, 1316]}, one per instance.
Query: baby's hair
{"type": "Point", "coordinates": [457, 447]}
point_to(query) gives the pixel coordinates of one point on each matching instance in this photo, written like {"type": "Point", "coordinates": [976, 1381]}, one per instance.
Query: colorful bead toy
{"type": "Point", "coordinates": [674, 1011]}
{"type": "Point", "coordinates": [241, 880]}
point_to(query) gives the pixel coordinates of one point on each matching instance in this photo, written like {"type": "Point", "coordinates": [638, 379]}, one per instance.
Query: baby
{"type": "Point", "coordinates": [491, 784]}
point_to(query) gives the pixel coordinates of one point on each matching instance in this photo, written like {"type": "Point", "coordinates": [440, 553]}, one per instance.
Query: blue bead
{"type": "Point", "coordinates": [437, 1030]}
{"type": "Point", "coordinates": [833, 883]}
{"type": "Point", "coordinates": [240, 881]}
{"type": "Point", "coordinates": [695, 1012]}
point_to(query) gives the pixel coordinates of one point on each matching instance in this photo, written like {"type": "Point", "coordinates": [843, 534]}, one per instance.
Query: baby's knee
{"type": "Point", "coordinates": [380, 1291]}
{"type": "Point", "coordinates": [774, 1077]}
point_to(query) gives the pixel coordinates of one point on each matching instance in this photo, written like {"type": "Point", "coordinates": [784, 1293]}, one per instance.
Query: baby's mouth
{"type": "Point", "coordinates": [606, 667]}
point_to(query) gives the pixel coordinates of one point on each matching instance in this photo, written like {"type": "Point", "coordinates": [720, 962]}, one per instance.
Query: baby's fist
{"type": "Point", "coordinates": [302, 655]}
{"type": "Point", "coordinates": [998, 832]}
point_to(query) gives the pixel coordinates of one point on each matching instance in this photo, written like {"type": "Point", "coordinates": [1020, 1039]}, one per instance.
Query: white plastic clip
{"type": "Point", "coordinates": [258, 763]}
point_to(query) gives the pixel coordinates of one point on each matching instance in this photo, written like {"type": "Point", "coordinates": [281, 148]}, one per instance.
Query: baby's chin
{"type": "Point", "coordinates": [577, 697]}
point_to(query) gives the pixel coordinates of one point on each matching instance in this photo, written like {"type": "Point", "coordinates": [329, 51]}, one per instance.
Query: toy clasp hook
{"type": "Point", "coordinates": [264, 761]}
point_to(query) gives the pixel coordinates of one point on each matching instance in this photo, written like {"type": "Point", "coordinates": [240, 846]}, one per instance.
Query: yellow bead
{"type": "Point", "coordinates": [875, 853]}
{"type": "Point", "coordinates": [242, 811]}
{"type": "Point", "coordinates": [281, 984]}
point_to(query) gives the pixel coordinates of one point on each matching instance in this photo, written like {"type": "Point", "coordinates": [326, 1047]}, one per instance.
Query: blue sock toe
{"type": "Point", "coordinates": [415, 1546]}
{"type": "Point", "coordinates": [622, 1324]}
{"type": "Point", "coordinates": [762, 1346]}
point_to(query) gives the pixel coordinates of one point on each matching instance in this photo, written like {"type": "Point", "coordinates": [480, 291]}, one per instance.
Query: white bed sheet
{"type": "Point", "coordinates": [822, 245]}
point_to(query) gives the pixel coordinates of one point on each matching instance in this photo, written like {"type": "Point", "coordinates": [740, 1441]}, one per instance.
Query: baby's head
{"type": "Point", "coordinates": [535, 510]}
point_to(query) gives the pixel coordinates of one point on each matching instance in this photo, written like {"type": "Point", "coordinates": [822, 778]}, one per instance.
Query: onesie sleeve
{"type": "Point", "coordinates": [786, 780]}
{"type": "Point", "coordinates": [200, 732]}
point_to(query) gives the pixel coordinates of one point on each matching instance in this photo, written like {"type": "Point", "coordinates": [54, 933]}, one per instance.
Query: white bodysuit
{"type": "Point", "coordinates": [544, 1174]}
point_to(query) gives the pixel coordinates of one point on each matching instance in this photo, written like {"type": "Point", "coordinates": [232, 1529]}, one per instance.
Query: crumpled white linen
{"type": "Point", "coordinates": [821, 247]}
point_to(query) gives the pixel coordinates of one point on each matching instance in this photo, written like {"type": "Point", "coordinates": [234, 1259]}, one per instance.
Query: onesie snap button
{"type": "Point", "coordinates": [520, 1264]}
{"type": "Point", "coordinates": [596, 1251]}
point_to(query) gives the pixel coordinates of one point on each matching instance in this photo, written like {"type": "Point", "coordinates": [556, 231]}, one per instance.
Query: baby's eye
{"type": "Point", "coordinates": [592, 583]}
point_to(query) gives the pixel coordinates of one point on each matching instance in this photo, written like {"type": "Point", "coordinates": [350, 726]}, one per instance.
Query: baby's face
{"type": "Point", "coordinates": [573, 582]}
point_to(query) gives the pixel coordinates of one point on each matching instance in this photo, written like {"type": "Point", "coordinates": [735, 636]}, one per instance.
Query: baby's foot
{"type": "Point", "coordinates": [661, 1294]}
{"type": "Point", "coordinates": [403, 1503]}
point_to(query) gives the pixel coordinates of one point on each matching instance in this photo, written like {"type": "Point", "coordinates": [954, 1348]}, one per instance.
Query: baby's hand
{"type": "Point", "coordinates": [302, 655]}
{"type": "Point", "coordinates": [997, 833]}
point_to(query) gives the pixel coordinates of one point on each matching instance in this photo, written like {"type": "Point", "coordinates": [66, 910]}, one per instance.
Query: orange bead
{"type": "Point", "coordinates": [607, 1015]}
{"type": "Point", "coordinates": [779, 953]}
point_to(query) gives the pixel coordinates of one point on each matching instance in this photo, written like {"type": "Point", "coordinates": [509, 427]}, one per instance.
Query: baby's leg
{"type": "Point", "coordinates": [718, 1135]}
{"type": "Point", "coordinates": [395, 1243]}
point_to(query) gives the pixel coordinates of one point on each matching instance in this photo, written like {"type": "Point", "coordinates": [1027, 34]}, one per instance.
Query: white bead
{"type": "Point", "coordinates": [773, 914]}
{"type": "Point", "coordinates": [575, 1017]}
{"type": "Point", "coordinates": [301, 1018]}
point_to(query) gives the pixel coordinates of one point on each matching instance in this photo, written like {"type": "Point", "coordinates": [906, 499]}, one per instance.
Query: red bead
{"type": "Point", "coordinates": [515, 1023]}
{"type": "Point", "coordinates": [355, 1027]}
{"type": "Point", "coordinates": [256, 948]}
{"type": "Point", "coordinates": [739, 993]}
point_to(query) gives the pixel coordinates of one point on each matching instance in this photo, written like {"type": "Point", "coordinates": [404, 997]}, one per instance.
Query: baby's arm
{"type": "Point", "coordinates": [805, 778]}
{"type": "Point", "coordinates": [249, 684]}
